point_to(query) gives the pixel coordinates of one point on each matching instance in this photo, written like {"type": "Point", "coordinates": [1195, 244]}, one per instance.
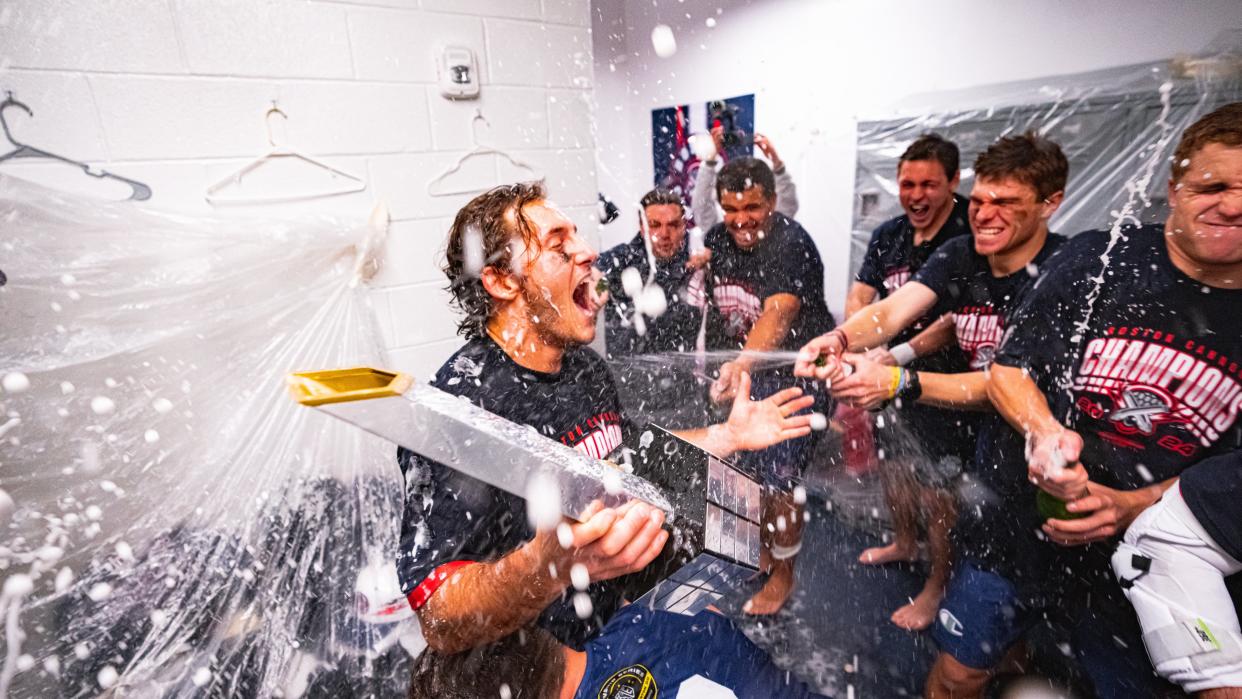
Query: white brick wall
{"type": "Point", "coordinates": [173, 93]}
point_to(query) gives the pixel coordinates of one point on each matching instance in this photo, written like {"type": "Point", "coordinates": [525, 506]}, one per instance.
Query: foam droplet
{"type": "Point", "coordinates": [799, 495]}
{"type": "Point", "coordinates": [663, 40]}
{"type": "Point", "coordinates": [579, 576]}
{"type": "Point", "coordinates": [99, 592]}
{"type": "Point", "coordinates": [107, 677]}
{"type": "Point", "coordinates": [151, 436]}
{"type": "Point", "coordinates": [162, 405]}
{"type": "Point", "coordinates": [582, 605]}
{"type": "Point", "coordinates": [819, 422]}
{"type": "Point", "coordinates": [18, 585]}
{"type": "Point", "coordinates": [201, 677]}
{"type": "Point", "coordinates": [652, 303]}
{"type": "Point", "coordinates": [102, 405]}
{"type": "Point", "coordinates": [15, 382]}
{"type": "Point", "coordinates": [64, 578]}
{"type": "Point", "coordinates": [543, 501]}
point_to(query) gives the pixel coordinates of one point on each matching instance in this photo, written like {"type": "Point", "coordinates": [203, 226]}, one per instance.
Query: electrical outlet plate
{"type": "Point", "coordinates": [457, 72]}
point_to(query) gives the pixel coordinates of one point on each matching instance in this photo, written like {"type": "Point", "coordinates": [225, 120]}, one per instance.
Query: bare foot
{"type": "Point", "coordinates": [919, 614]}
{"type": "Point", "coordinates": [894, 552]}
{"type": "Point", "coordinates": [774, 594]}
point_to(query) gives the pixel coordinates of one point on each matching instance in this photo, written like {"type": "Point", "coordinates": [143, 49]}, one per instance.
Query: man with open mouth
{"type": "Point", "coordinates": [472, 564]}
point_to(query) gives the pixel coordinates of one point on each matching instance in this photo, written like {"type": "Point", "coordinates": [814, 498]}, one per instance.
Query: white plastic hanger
{"type": "Point", "coordinates": [435, 186]}
{"type": "Point", "coordinates": [350, 184]}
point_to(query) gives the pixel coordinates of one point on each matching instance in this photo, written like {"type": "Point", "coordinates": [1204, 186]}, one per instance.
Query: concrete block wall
{"type": "Point", "coordinates": [173, 93]}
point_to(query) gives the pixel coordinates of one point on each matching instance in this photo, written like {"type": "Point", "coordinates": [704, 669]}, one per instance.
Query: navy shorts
{"type": "Point", "coordinates": [981, 617]}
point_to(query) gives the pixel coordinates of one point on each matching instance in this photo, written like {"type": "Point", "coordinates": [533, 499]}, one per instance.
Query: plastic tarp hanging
{"type": "Point", "coordinates": [1118, 128]}
{"type": "Point", "coordinates": [173, 524]}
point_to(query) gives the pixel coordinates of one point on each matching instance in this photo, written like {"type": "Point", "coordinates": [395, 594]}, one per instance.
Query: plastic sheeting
{"type": "Point", "coordinates": [1118, 128]}
{"type": "Point", "coordinates": [174, 523]}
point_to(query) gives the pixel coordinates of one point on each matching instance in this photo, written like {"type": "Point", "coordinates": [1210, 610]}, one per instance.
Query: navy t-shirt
{"type": "Point", "coordinates": [979, 301]}
{"type": "Point", "coordinates": [785, 261]}
{"type": "Point", "coordinates": [892, 259]}
{"type": "Point", "coordinates": [1212, 489]}
{"type": "Point", "coordinates": [452, 518]}
{"type": "Point", "coordinates": [656, 386]}
{"type": "Point", "coordinates": [645, 653]}
{"type": "Point", "coordinates": [675, 330]}
{"type": "Point", "coordinates": [1145, 367]}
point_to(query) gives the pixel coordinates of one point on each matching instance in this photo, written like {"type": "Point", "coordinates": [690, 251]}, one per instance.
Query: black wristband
{"type": "Point", "coordinates": [913, 389]}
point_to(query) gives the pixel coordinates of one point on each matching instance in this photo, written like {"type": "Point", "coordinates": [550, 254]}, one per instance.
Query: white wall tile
{"type": "Point", "coordinates": [520, 53]}
{"type": "Point", "coordinates": [414, 253]}
{"type": "Point", "coordinates": [423, 361]}
{"type": "Point", "coordinates": [515, 117]}
{"type": "Point", "coordinates": [328, 117]}
{"type": "Point", "coordinates": [402, 180]}
{"type": "Point", "coordinates": [161, 118]}
{"type": "Point", "coordinates": [570, 175]}
{"type": "Point", "coordinates": [421, 314]}
{"type": "Point", "coordinates": [279, 38]}
{"type": "Point", "coordinates": [528, 9]}
{"type": "Point", "coordinates": [65, 121]}
{"type": "Point", "coordinates": [576, 12]}
{"type": "Point", "coordinates": [571, 118]}
{"type": "Point", "coordinates": [383, 316]}
{"type": "Point", "coordinates": [121, 35]}
{"type": "Point", "coordinates": [402, 45]}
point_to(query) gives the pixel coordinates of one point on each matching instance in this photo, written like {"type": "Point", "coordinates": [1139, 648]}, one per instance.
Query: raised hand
{"type": "Point", "coordinates": [760, 424]}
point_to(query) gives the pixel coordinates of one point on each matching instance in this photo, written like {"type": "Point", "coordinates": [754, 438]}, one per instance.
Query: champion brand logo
{"type": "Point", "coordinates": [950, 623]}
{"type": "Point", "coordinates": [1152, 378]}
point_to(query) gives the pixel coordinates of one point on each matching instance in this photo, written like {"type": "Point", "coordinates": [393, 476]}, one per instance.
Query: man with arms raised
{"type": "Point", "coordinates": [1124, 367]}
{"type": "Point", "coordinates": [471, 564]}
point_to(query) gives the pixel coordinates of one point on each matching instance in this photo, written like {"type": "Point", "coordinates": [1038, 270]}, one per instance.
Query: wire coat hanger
{"type": "Point", "coordinates": [352, 182]}
{"type": "Point", "coordinates": [433, 187]}
{"type": "Point", "coordinates": [140, 192]}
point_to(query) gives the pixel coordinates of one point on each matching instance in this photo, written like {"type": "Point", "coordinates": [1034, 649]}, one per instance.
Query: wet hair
{"type": "Point", "coordinates": [932, 146]}
{"type": "Point", "coordinates": [740, 174]}
{"type": "Point", "coordinates": [1223, 126]}
{"type": "Point", "coordinates": [494, 220]}
{"type": "Point", "coordinates": [661, 195]}
{"type": "Point", "coordinates": [1030, 159]}
{"type": "Point", "coordinates": [529, 661]}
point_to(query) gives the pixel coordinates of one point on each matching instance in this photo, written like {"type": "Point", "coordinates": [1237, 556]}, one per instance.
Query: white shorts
{"type": "Point", "coordinates": [1190, 626]}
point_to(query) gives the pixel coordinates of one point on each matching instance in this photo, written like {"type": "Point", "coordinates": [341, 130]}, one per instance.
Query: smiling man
{"type": "Point", "coordinates": [1124, 367]}
{"type": "Point", "coordinates": [471, 565]}
{"type": "Point", "coordinates": [1019, 184]}
{"type": "Point", "coordinates": [766, 289]}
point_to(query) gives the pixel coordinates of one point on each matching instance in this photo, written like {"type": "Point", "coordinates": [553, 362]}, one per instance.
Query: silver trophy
{"type": "Point", "coordinates": [711, 507]}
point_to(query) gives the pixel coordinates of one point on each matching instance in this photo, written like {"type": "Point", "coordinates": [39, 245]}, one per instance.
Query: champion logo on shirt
{"type": "Point", "coordinates": [895, 277]}
{"type": "Point", "coordinates": [979, 333]}
{"type": "Point", "coordinates": [739, 306]}
{"type": "Point", "coordinates": [1154, 378]}
{"type": "Point", "coordinates": [597, 437]}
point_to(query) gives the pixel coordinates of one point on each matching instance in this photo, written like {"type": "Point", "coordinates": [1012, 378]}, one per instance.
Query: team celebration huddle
{"type": "Point", "coordinates": [1072, 397]}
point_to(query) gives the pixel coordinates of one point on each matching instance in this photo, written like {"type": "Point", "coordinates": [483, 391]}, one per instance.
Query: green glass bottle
{"type": "Point", "coordinates": [1052, 507]}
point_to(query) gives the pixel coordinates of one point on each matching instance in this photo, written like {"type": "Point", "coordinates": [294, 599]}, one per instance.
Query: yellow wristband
{"type": "Point", "coordinates": [896, 383]}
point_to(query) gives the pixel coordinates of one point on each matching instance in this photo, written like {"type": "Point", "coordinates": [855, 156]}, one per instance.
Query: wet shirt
{"type": "Point", "coordinates": [452, 519]}
{"type": "Point", "coordinates": [1147, 368]}
{"type": "Point", "coordinates": [675, 330]}
{"type": "Point", "coordinates": [642, 654]}
{"type": "Point", "coordinates": [785, 261]}
{"type": "Point", "coordinates": [892, 259]}
{"type": "Point", "coordinates": [979, 301]}
{"type": "Point", "coordinates": [1212, 489]}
